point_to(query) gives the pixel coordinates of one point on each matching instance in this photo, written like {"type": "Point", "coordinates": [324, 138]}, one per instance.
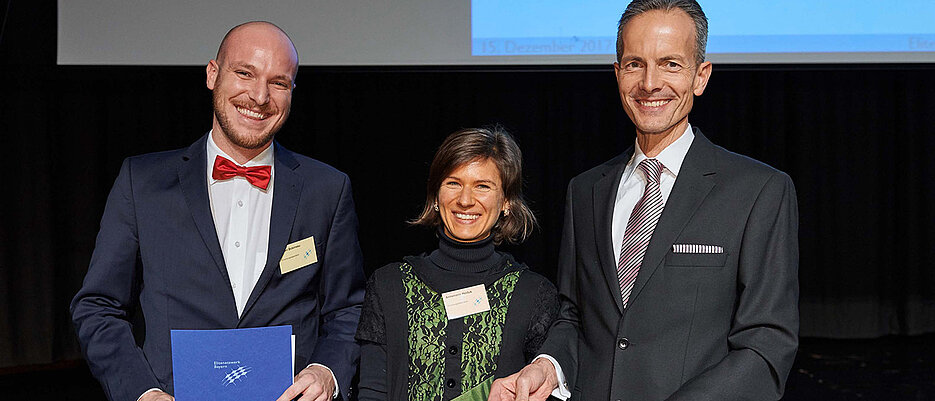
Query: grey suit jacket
{"type": "Point", "coordinates": [700, 326]}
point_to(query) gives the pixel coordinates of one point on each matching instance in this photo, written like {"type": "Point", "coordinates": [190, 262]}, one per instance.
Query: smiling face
{"type": "Point", "coordinates": [657, 75]}
{"type": "Point", "coordinates": [252, 82]}
{"type": "Point", "coordinates": [470, 200]}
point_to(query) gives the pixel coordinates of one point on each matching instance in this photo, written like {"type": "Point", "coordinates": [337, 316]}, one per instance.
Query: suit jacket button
{"type": "Point", "coordinates": [453, 350]}
{"type": "Point", "coordinates": [451, 383]}
{"type": "Point", "coordinates": [623, 343]}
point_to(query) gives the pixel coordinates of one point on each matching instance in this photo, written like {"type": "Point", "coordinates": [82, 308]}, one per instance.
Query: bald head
{"type": "Point", "coordinates": [251, 82]}
{"type": "Point", "coordinates": [258, 32]}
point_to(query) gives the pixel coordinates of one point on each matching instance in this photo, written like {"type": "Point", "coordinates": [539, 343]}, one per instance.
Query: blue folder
{"type": "Point", "coordinates": [240, 364]}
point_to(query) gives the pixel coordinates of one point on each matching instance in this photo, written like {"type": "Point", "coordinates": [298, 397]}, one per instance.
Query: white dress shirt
{"type": "Point", "coordinates": [634, 180]}
{"type": "Point", "coordinates": [629, 193]}
{"type": "Point", "coordinates": [241, 214]}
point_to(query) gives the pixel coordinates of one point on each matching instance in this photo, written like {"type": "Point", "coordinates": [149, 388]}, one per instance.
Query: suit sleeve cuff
{"type": "Point", "coordinates": [147, 392]}
{"type": "Point", "coordinates": [333, 377]}
{"type": "Point", "coordinates": [561, 392]}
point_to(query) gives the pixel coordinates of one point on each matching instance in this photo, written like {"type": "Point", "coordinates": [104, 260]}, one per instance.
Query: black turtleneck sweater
{"type": "Point", "coordinates": [383, 328]}
{"type": "Point", "coordinates": [458, 264]}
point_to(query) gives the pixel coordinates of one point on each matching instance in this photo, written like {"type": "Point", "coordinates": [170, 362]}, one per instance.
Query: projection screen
{"type": "Point", "coordinates": [488, 32]}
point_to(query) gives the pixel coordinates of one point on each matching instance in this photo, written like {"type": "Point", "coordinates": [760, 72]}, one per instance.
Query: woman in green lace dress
{"type": "Point", "coordinates": [444, 324]}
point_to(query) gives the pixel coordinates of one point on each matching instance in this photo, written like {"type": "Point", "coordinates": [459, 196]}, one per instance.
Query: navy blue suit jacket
{"type": "Point", "coordinates": [158, 244]}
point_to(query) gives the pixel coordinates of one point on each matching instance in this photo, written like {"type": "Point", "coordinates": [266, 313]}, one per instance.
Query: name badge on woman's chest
{"type": "Point", "coordinates": [466, 301]}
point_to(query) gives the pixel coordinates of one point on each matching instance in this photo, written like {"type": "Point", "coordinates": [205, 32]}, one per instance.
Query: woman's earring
{"type": "Point", "coordinates": [506, 212]}
{"type": "Point", "coordinates": [435, 206]}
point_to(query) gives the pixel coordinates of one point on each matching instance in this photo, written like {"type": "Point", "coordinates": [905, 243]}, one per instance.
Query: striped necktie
{"type": "Point", "coordinates": [640, 228]}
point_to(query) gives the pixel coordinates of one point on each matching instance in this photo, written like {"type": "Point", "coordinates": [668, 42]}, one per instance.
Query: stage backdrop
{"type": "Point", "coordinates": [857, 140]}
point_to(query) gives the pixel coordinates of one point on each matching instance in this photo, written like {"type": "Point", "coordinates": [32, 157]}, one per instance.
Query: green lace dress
{"type": "Point", "coordinates": [410, 350]}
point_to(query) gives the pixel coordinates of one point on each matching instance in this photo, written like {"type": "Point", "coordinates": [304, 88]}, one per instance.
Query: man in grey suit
{"type": "Point", "coordinates": [679, 259]}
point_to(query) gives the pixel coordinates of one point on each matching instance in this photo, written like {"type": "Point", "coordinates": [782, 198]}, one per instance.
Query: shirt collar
{"type": "Point", "coordinates": [265, 158]}
{"type": "Point", "coordinates": [672, 156]}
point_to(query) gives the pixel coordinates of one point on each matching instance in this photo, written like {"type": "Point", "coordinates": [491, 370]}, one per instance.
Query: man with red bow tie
{"type": "Point", "coordinates": [196, 236]}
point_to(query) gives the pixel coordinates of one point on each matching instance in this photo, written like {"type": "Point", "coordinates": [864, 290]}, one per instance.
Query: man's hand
{"type": "Point", "coordinates": [535, 382]}
{"type": "Point", "coordinates": [156, 395]}
{"type": "Point", "coordinates": [315, 383]}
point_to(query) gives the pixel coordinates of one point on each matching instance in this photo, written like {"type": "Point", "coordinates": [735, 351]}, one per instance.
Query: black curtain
{"type": "Point", "coordinates": [856, 139]}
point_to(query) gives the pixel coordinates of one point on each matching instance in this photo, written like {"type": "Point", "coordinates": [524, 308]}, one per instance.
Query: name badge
{"type": "Point", "coordinates": [298, 255]}
{"type": "Point", "coordinates": [466, 301]}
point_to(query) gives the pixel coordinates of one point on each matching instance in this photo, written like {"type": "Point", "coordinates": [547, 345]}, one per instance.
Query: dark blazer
{"type": "Point", "coordinates": [158, 245]}
{"type": "Point", "coordinates": [698, 326]}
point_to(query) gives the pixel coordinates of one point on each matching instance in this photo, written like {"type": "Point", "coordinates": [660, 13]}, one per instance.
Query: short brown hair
{"type": "Point", "coordinates": [690, 7]}
{"type": "Point", "coordinates": [493, 143]}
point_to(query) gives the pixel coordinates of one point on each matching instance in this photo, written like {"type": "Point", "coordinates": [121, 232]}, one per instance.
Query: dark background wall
{"type": "Point", "coordinates": [856, 139]}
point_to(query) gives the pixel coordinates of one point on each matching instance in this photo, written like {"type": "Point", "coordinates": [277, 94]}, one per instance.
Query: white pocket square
{"type": "Point", "coordinates": [696, 248]}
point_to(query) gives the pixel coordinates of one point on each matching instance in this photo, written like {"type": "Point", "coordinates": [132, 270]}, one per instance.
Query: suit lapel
{"type": "Point", "coordinates": [604, 197]}
{"type": "Point", "coordinates": [287, 187]}
{"type": "Point", "coordinates": [695, 180]}
{"type": "Point", "coordinates": [193, 180]}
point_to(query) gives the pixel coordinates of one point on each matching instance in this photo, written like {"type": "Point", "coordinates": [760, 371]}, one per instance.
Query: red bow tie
{"type": "Point", "coordinates": [225, 169]}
